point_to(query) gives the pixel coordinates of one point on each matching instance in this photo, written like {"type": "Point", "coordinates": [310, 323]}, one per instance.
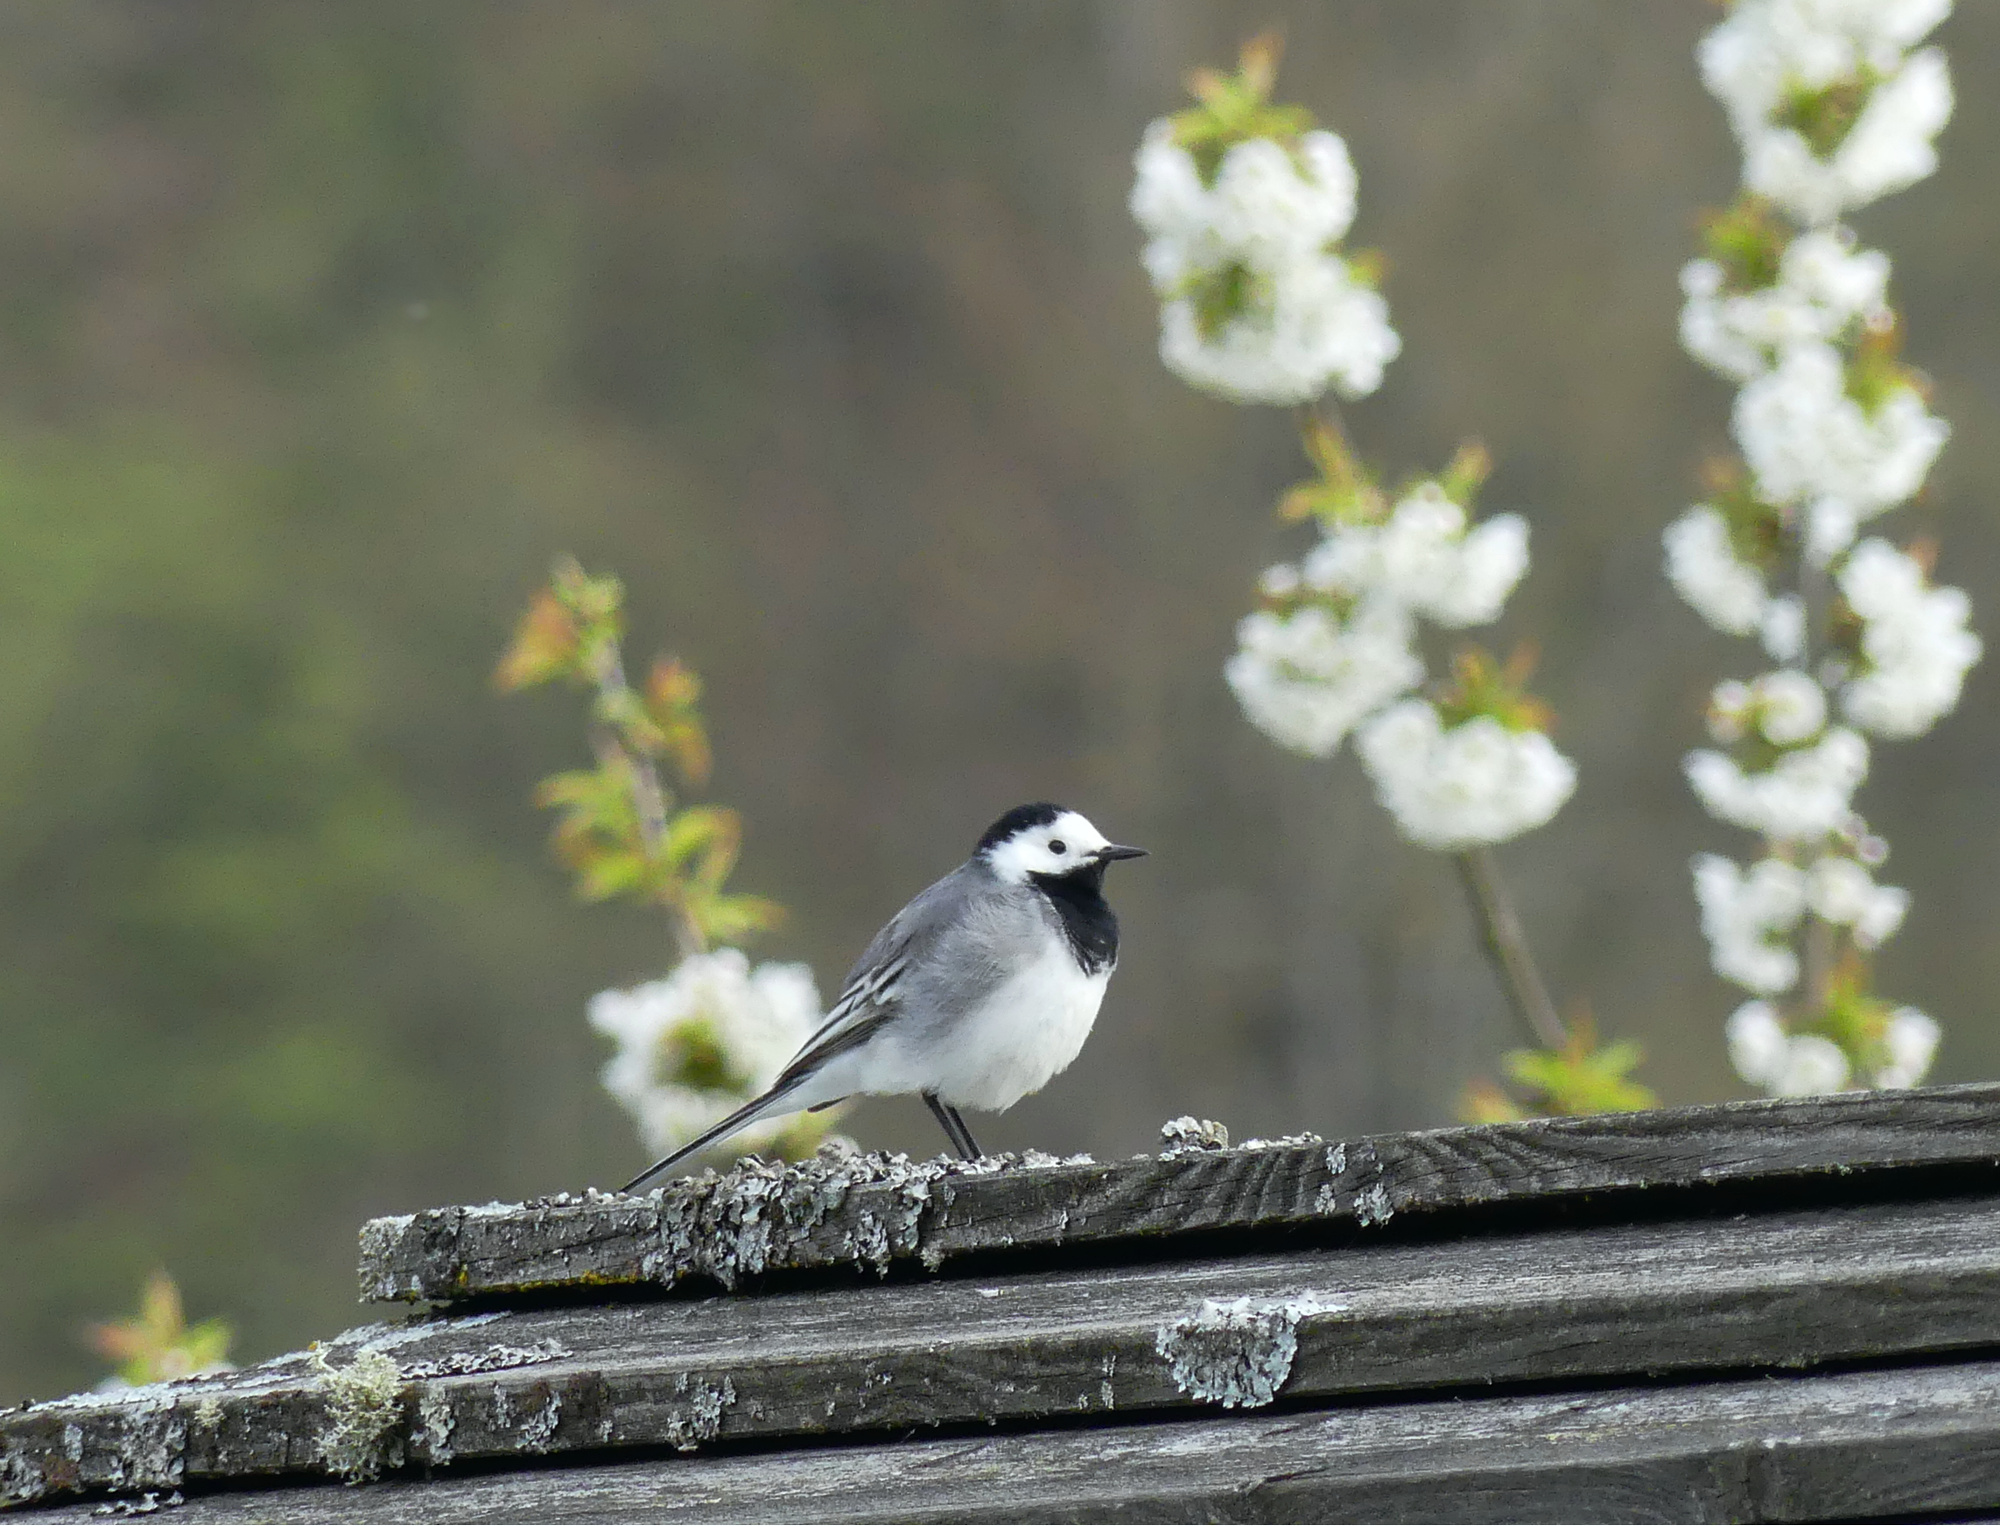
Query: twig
{"type": "Point", "coordinates": [1507, 947]}
{"type": "Point", "coordinates": [649, 797]}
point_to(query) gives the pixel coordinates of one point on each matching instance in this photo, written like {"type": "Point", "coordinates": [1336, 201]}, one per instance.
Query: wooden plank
{"type": "Point", "coordinates": [872, 1211]}
{"type": "Point", "coordinates": [1826, 1446]}
{"type": "Point", "coordinates": [1776, 1290]}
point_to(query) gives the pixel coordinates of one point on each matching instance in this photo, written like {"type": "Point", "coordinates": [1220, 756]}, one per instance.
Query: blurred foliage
{"type": "Point", "coordinates": [323, 329]}
{"type": "Point", "coordinates": [1483, 685]}
{"type": "Point", "coordinates": [1756, 528]}
{"type": "Point", "coordinates": [1581, 1077]}
{"type": "Point", "coordinates": [617, 826]}
{"type": "Point", "coordinates": [1849, 1013]}
{"type": "Point", "coordinates": [158, 1344]}
{"type": "Point", "coordinates": [1345, 491]}
{"type": "Point", "coordinates": [1236, 107]}
{"type": "Point", "coordinates": [1747, 239]}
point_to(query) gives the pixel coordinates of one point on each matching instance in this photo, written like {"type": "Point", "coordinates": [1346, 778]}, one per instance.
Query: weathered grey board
{"type": "Point", "coordinates": [1770, 1290]}
{"type": "Point", "coordinates": [873, 1210]}
{"type": "Point", "coordinates": [1827, 1446]}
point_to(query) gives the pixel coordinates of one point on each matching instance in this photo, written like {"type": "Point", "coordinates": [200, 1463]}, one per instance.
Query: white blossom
{"type": "Point", "coordinates": [1477, 782]}
{"type": "Point", "coordinates": [1783, 627]}
{"type": "Point", "coordinates": [1806, 794]}
{"type": "Point", "coordinates": [1278, 206]}
{"type": "Point", "coordinates": [697, 1045]}
{"type": "Point", "coordinates": [1302, 319]}
{"type": "Point", "coordinates": [1307, 325]}
{"type": "Point", "coordinates": [1824, 288]}
{"type": "Point", "coordinates": [1791, 708]}
{"type": "Point", "coordinates": [1741, 915]}
{"type": "Point", "coordinates": [1813, 1067]}
{"type": "Point", "coordinates": [1808, 442]}
{"type": "Point", "coordinates": [1267, 203]}
{"type": "Point", "coordinates": [1768, 52]}
{"type": "Point", "coordinates": [1786, 707]}
{"type": "Point", "coordinates": [1279, 582]}
{"type": "Point", "coordinates": [1888, 148]}
{"type": "Point", "coordinates": [1168, 200]}
{"type": "Point", "coordinates": [1842, 892]}
{"type": "Point", "coordinates": [1915, 644]}
{"type": "Point", "coordinates": [1424, 559]}
{"type": "Point", "coordinates": [1757, 1041]}
{"type": "Point", "coordinates": [1911, 1040]}
{"type": "Point", "coordinates": [1305, 680]}
{"type": "Point", "coordinates": [1730, 715]}
{"type": "Point", "coordinates": [1705, 570]}
{"type": "Point", "coordinates": [1782, 1064]}
{"type": "Point", "coordinates": [1766, 47]}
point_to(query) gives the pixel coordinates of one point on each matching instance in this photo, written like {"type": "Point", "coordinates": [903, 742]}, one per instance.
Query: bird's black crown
{"type": "Point", "coordinates": [1020, 819]}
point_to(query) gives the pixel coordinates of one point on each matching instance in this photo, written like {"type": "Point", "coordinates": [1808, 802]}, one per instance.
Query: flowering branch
{"type": "Point", "coordinates": [617, 827]}
{"type": "Point", "coordinates": [1833, 110]}
{"type": "Point", "coordinates": [714, 1033]}
{"type": "Point", "coordinates": [1245, 205]}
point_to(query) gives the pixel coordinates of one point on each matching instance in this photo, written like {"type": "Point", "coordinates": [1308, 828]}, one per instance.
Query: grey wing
{"type": "Point", "coordinates": [881, 982]}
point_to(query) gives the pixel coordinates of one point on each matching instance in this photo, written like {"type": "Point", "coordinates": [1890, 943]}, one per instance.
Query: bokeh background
{"type": "Point", "coordinates": [323, 328]}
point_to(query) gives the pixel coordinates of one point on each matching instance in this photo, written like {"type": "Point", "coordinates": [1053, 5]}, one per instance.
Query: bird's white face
{"type": "Point", "coordinates": [1062, 846]}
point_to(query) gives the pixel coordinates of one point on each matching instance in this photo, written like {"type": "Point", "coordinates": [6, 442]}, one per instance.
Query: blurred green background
{"type": "Point", "coordinates": [322, 328]}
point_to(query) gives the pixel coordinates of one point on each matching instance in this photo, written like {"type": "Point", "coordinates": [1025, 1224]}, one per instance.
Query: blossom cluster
{"type": "Point", "coordinates": [1244, 205]}
{"type": "Point", "coordinates": [1334, 651]}
{"type": "Point", "coordinates": [692, 1047]}
{"type": "Point", "coordinates": [1832, 109]}
{"type": "Point", "coordinates": [1453, 787]}
{"type": "Point", "coordinates": [1830, 106]}
{"type": "Point", "coordinates": [1258, 304]}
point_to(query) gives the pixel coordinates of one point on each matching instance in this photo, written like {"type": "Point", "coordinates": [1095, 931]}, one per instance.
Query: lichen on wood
{"type": "Point", "coordinates": [1238, 1352]}
{"type": "Point", "coordinates": [363, 1408]}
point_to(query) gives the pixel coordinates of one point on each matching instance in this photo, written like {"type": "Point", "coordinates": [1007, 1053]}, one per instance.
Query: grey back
{"type": "Point", "coordinates": [954, 943]}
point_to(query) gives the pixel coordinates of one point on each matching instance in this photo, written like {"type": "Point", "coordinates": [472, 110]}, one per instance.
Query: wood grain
{"type": "Point", "coordinates": [1756, 1291]}
{"type": "Point", "coordinates": [733, 1229]}
{"type": "Point", "coordinates": [1826, 1446]}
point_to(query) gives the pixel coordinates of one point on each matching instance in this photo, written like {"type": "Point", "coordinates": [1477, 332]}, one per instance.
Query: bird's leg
{"type": "Point", "coordinates": [953, 1126]}
{"type": "Point", "coordinates": [972, 1150]}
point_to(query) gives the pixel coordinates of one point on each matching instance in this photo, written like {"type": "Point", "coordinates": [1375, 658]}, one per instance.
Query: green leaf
{"type": "Point", "coordinates": [1483, 686]}
{"type": "Point", "coordinates": [1483, 1102]}
{"type": "Point", "coordinates": [1747, 241]}
{"type": "Point", "coordinates": [1580, 1077]}
{"type": "Point", "coordinates": [1344, 491]}
{"type": "Point", "coordinates": [1824, 116]}
{"type": "Point", "coordinates": [158, 1344]}
{"type": "Point", "coordinates": [1756, 529]}
{"type": "Point", "coordinates": [702, 842]}
{"type": "Point", "coordinates": [1851, 1014]}
{"type": "Point", "coordinates": [545, 646]}
{"type": "Point", "coordinates": [604, 873]}
{"type": "Point", "coordinates": [732, 918]}
{"type": "Point", "coordinates": [1236, 107]}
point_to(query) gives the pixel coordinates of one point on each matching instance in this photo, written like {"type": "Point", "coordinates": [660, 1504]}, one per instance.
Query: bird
{"type": "Point", "coordinates": [975, 994]}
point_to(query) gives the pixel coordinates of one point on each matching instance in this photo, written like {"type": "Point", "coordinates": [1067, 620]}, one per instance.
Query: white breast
{"type": "Point", "coordinates": [1028, 1030]}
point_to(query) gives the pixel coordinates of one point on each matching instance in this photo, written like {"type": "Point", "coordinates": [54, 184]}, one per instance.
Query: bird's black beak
{"type": "Point", "coordinates": [1112, 851]}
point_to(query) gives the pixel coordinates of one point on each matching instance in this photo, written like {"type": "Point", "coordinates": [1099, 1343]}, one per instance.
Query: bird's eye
{"type": "Point", "coordinates": [1058, 847]}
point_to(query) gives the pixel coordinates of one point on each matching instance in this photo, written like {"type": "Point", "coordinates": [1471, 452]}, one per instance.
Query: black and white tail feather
{"type": "Point", "coordinates": [975, 994]}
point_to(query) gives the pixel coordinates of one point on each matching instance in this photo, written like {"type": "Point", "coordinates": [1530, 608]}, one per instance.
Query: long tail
{"type": "Point", "coordinates": [748, 1113]}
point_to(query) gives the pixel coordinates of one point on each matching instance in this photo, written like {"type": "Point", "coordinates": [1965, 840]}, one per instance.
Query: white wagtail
{"type": "Point", "coordinates": [975, 994]}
